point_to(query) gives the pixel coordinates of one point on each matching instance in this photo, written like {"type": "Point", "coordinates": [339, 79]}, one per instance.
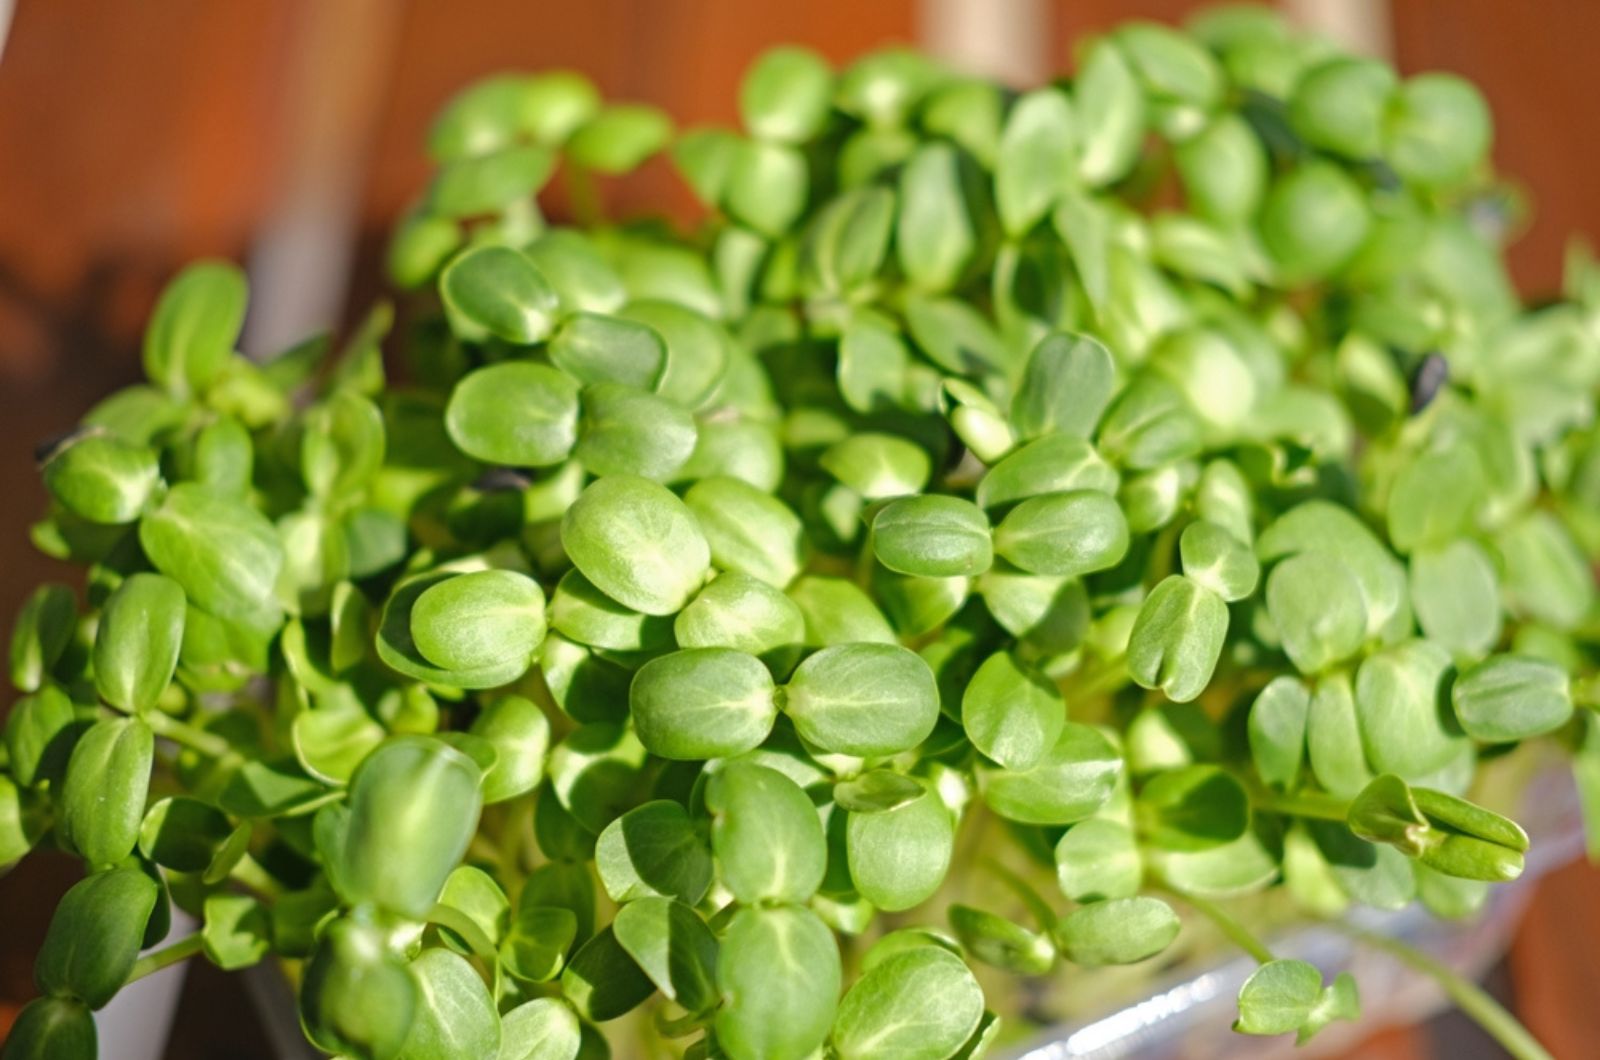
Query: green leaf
{"type": "Point", "coordinates": [1177, 638]}
{"type": "Point", "coordinates": [101, 478]}
{"type": "Point", "coordinates": [542, 1029]}
{"type": "Point", "coordinates": [877, 791]}
{"type": "Point", "coordinates": [593, 348]}
{"type": "Point", "coordinates": [746, 614]}
{"type": "Point", "coordinates": [44, 629]}
{"type": "Point", "coordinates": [863, 699]}
{"type": "Point", "coordinates": [1321, 526]}
{"type": "Point", "coordinates": [920, 1004]}
{"type": "Point", "coordinates": [619, 138]}
{"type": "Point", "coordinates": [237, 931]}
{"type": "Point", "coordinates": [516, 413]}
{"type": "Point", "coordinates": [956, 337]}
{"type": "Point", "coordinates": [1065, 389]}
{"type": "Point", "coordinates": [102, 801]}
{"type": "Point", "coordinates": [1065, 534]}
{"type": "Point", "coordinates": [702, 703]}
{"type": "Point", "coordinates": [1436, 130]}
{"type": "Point", "coordinates": [472, 899]}
{"type": "Point", "coordinates": [844, 250]}
{"type": "Point", "coordinates": [1402, 710]}
{"type": "Point", "coordinates": [53, 1028]}
{"type": "Point", "coordinates": [1318, 610]}
{"type": "Point", "coordinates": [1469, 819]}
{"type": "Point", "coordinates": [496, 182]}
{"type": "Point", "coordinates": [637, 542]}
{"type": "Point", "coordinates": [603, 982]}
{"type": "Point", "coordinates": [341, 447]}
{"type": "Point", "coordinates": [1385, 812]}
{"type": "Point", "coordinates": [1173, 67]}
{"type": "Point", "coordinates": [1278, 997]}
{"type": "Point", "coordinates": [786, 95]}
{"type": "Point", "coordinates": [898, 857]}
{"type": "Point", "coordinates": [1098, 859]}
{"type": "Point", "coordinates": [932, 536]}
{"type": "Point", "coordinates": [1056, 463]}
{"type": "Point", "coordinates": [551, 105]}
{"type": "Point", "coordinates": [398, 648]}
{"type": "Point", "coordinates": [1193, 808]}
{"type": "Point", "coordinates": [1036, 157]}
{"type": "Point", "coordinates": [495, 290]}
{"type": "Point", "coordinates": [535, 948]}
{"type": "Point", "coordinates": [40, 732]}
{"type": "Point", "coordinates": [873, 365]}
{"type": "Point", "coordinates": [1111, 114]}
{"type": "Point", "coordinates": [1314, 220]}
{"type": "Point", "coordinates": [673, 946]}
{"type": "Point", "coordinates": [455, 1015]}
{"type": "Point", "coordinates": [358, 997]}
{"type": "Point", "coordinates": [1456, 594]}
{"type": "Point", "coordinates": [779, 975]}
{"type": "Point", "coordinates": [1149, 425]}
{"type": "Point", "coordinates": [1434, 497]}
{"type": "Point", "coordinates": [1333, 737]}
{"type": "Point", "coordinates": [1219, 561]}
{"type": "Point", "coordinates": [194, 327]}
{"type": "Point", "coordinates": [136, 644]}
{"type": "Point", "coordinates": [330, 742]}
{"type": "Point", "coordinates": [937, 235]}
{"type": "Point", "coordinates": [1072, 781]}
{"type": "Point", "coordinates": [1224, 169]}
{"type": "Point", "coordinates": [414, 806]}
{"type": "Point", "coordinates": [1511, 697]}
{"type": "Point", "coordinates": [878, 466]}
{"type": "Point", "coordinates": [767, 186]}
{"type": "Point", "coordinates": [520, 734]}
{"type": "Point", "coordinates": [479, 620]}
{"type": "Point", "coordinates": [584, 280]}
{"type": "Point", "coordinates": [625, 431]}
{"type": "Point", "coordinates": [1117, 931]}
{"type": "Point", "coordinates": [999, 942]}
{"type": "Point", "coordinates": [1339, 106]}
{"type": "Point", "coordinates": [1545, 576]}
{"type": "Point", "coordinates": [837, 611]}
{"type": "Point", "coordinates": [765, 834]}
{"type": "Point", "coordinates": [653, 850]}
{"type": "Point", "coordinates": [595, 772]}
{"type": "Point", "coordinates": [749, 531]}
{"type": "Point", "coordinates": [1379, 876]}
{"type": "Point", "coordinates": [183, 833]}
{"type": "Point", "coordinates": [1277, 731]}
{"type": "Point", "coordinates": [224, 553]}
{"type": "Point", "coordinates": [1011, 712]}
{"type": "Point", "coordinates": [698, 352]}
{"type": "Point", "coordinates": [95, 935]}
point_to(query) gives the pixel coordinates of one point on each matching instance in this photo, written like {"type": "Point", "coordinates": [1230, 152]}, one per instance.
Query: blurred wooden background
{"type": "Point", "coordinates": [137, 134]}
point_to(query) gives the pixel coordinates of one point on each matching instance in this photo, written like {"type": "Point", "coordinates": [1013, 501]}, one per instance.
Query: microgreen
{"type": "Point", "coordinates": [1158, 460]}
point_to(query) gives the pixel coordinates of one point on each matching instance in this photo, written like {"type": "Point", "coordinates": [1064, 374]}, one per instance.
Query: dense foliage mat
{"type": "Point", "coordinates": [1008, 522]}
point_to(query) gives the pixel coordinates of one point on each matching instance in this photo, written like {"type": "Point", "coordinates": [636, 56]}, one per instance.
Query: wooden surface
{"type": "Point", "coordinates": [137, 134]}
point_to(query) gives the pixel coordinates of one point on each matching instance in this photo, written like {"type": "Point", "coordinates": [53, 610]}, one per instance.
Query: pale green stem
{"type": "Point", "coordinates": [1471, 998]}
{"type": "Point", "coordinates": [466, 927]}
{"type": "Point", "coordinates": [181, 732]}
{"type": "Point", "coordinates": [250, 873]}
{"type": "Point", "coordinates": [1306, 804]}
{"type": "Point", "coordinates": [1236, 932]}
{"type": "Point", "coordinates": [167, 955]}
